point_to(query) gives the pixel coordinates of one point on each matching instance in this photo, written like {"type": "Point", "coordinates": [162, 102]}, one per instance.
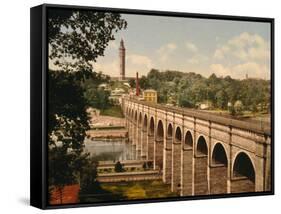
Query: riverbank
{"type": "Point", "coordinates": [97, 120]}
{"type": "Point", "coordinates": [104, 127]}
{"type": "Point", "coordinates": [99, 134]}
{"type": "Point", "coordinates": [116, 177]}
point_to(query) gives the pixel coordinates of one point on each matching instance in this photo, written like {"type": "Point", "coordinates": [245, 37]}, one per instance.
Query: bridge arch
{"type": "Point", "coordinates": [219, 155]}
{"type": "Point", "coordinates": [243, 174]}
{"type": "Point", "coordinates": [136, 116]}
{"type": "Point", "coordinates": [218, 170]}
{"type": "Point", "coordinates": [150, 139]}
{"type": "Point", "coordinates": [188, 140]}
{"type": "Point", "coordinates": [151, 126]}
{"type": "Point", "coordinates": [243, 165]}
{"type": "Point", "coordinates": [176, 160]}
{"type": "Point", "coordinates": [168, 154]}
{"type": "Point", "coordinates": [140, 119]}
{"type": "Point", "coordinates": [158, 147]}
{"type": "Point", "coordinates": [178, 135]}
{"type": "Point", "coordinates": [160, 130]}
{"type": "Point", "coordinates": [145, 122]}
{"type": "Point", "coordinates": [187, 164]}
{"type": "Point", "coordinates": [201, 167]}
{"type": "Point", "coordinates": [201, 148]}
{"type": "Point", "coordinates": [170, 131]}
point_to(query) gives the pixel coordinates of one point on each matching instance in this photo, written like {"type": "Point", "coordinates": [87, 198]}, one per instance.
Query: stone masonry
{"type": "Point", "coordinates": [200, 153]}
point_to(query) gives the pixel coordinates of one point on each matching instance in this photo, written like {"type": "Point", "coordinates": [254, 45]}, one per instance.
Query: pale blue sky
{"type": "Point", "coordinates": [203, 46]}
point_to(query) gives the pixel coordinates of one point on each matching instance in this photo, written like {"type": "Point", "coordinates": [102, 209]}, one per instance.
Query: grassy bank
{"type": "Point", "coordinates": [140, 189]}
{"type": "Point", "coordinates": [113, 111]}
{"type": "Point", "coordinates": [132, 190]}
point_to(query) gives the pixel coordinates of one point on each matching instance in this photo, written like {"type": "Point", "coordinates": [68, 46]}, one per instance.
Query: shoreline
{"type": "Point", "coordinates": [108, 133]}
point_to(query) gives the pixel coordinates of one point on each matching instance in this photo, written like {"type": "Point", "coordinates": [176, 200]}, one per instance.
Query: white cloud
{"type": "Point", "coordinates": [141, 60]}
{"type": "Point", "coordinates": [138, 63]}
{"type": "Point", "coordinates": [219, 70]}
{"type": "Point", "coordinates": [219, 54]}
{"type": "Point", "coordinates": [134, 63]}
{"type": "Point", "coordinates": [171, 46]}
{"type": "Point", "coordinates": [193, 60]}
{"type": "Point", "coordinates": [165, 51]}
{"type": "Point", "coordinates": [191, 47]}
{"type": "Point", "coordinates": [197, 58]}
{"type": "Point", "coordinates": [239, 71]}
{"type": "Point", "coordinates": [244, 47]}
{"type": "Point", "coordinates": [246, 54]}
{"type": "Point", "coordinates": [252, 69]}
{"type": "Point", "coordinates": [111, 68]}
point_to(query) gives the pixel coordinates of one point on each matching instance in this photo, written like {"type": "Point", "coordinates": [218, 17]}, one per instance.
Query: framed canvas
{"type": "Point", "coordinates": [134, 106]}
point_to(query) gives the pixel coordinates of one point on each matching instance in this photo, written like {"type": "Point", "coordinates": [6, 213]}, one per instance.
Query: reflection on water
{"type": "Point", "coordinates": [110, 149]}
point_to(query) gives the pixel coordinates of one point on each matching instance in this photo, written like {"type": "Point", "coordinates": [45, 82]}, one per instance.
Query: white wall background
{"type": "Point", "coordinates": [14, 108]}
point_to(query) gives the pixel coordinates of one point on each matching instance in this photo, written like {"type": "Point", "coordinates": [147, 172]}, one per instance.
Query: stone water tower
{"type": "Point", "coordinates": [122, 56]}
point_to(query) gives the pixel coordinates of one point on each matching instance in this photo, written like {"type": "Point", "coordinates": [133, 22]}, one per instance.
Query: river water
{"type": "Point", "coordinates": [110, 149]}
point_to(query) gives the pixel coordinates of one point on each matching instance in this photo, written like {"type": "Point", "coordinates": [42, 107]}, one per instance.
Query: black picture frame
{"type": "Point", "coordinates": [39, 110]}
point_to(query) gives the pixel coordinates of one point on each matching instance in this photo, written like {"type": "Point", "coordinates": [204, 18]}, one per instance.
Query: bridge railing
{"type": "Point", "coordinates": [256, 127]}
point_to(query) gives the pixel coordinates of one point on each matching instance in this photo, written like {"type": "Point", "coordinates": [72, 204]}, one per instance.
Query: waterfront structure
{"type": "Point", "coordinates": [150, 95]}
{"type": "Point", "coordinates": [200, 153]}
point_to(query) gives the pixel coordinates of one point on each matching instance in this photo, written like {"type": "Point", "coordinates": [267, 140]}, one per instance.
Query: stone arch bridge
{"type": "Point", "coordinates": [200, 153]}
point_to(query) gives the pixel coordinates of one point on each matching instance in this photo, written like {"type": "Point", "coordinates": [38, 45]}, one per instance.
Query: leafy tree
{"type": "Point", "coordinates": [88, 177]}
{"type": "Point", "coordinates": [78, 37]}
{"type": "Point", "coordinates": [56, 165]}
{"type": "Point", "coordinates": [199, 91]}
{"type": "Point", "coordinates": [231, 110]}
{"type": "Point", "coordinates": [164, 92]}
{"type": "Point", "coordinates": [96, 97]}
{"type": "Point", "coordinates": [132, 83]}
{"type": "Point", "coordinates": [185, 99]}
{"type": "Point", "coordinates": [238, 107]}
{"type": "Point", "coordinates": [233, 91]}
{"type": "Point", "coordinates": [75, 39]}
{"type": "Point", "coordinates": [221, 99]}
{"type": "Point", "coordinates": [190, 89]}
{"type": "Point", "coordinates": [144, 83]}
{"type": "Point", "coordinates": [67, 124]}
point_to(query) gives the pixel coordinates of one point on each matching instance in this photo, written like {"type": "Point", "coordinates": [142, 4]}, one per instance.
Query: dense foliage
{"type": "Point", "coordinates": [75, 39]}
{"type": "Point", "coordinates": [97, 97]}
{"type": "Point", "coordinates": [67, 123]}
{"type": "Point", "coordinates": [89, 183]}
{"type": "Point", "coordinates": [190, 89]}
